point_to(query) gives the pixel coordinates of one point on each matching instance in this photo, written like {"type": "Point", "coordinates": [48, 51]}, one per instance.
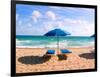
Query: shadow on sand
{"type": "Point", "coordinates": [62, 57]}
{"type": "Point", "coordinates": [38, 59]}
{"type": "Point", "coordinates": [88, 55]}
{"type": "Point", "coordinates": [33, 59]}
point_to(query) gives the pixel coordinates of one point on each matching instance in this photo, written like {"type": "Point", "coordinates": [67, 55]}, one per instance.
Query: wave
{"type": "Point", "coordinates": [53, 43]}
{"type": "Point", "coordinates": [49, 46]}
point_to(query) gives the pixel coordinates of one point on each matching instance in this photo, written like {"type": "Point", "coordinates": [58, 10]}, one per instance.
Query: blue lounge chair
{"type": "Point", "coordinates": [50, 52]}
{"type": "Point", "coordinates": [65, 51]}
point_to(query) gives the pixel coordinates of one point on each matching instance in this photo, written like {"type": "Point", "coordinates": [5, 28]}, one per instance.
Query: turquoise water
{"type": "Point", "coordinates": [51, 42]}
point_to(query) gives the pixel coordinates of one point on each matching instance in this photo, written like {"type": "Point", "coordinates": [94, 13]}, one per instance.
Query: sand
{"type": "Point", "coordinates": [35, 60]}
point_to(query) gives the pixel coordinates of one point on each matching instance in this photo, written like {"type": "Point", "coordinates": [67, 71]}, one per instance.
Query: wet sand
{"type": "Point", "coordinates": [35, 60]}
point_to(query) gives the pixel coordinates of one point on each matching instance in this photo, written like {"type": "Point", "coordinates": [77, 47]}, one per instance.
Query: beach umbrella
{"type": "Point", "coordinates": [93, 35]}
{"type": "Point", "coordinates": [57, 33]}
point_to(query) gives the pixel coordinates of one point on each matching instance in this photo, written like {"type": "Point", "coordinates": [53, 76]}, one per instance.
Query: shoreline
{"type": "Point", "coordinates": [55, 47]}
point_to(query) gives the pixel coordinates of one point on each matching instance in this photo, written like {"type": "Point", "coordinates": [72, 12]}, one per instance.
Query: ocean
{"type": "Point", "coordinates": [51, 41]}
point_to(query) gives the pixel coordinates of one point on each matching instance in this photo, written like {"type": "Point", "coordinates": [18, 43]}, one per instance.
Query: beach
{"type": "Point", "coordinates": [36, 60]}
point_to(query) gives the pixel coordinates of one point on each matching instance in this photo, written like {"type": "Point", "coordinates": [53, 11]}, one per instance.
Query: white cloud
{"type": "Point", "coordinates": [76, 27]}
{"type": "Point", "coordinates": [19, 22]}
{"type": "Point", "coordinates": [51, 15]}
{"type": "Point", "coordinates": [72, 9]}
{"type": "Point", "coordinates": [29, 25]}
{"type": "Point", "coordinates": [35, 15]}
{"type": "Point", "coordinates": [79, 27]}
{"type": "Point", "coordinates": [48, 26]}
{"type": "Point", "coordinates": [17, 16]}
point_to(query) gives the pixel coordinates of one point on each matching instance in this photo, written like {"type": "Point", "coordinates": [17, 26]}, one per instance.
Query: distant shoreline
{"type": "Point", "coordinates": [54, 47]}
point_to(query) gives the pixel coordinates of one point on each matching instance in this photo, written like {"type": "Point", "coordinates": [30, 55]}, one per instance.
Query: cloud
{"type": "Point", "coordinates": [19, 22]}
{"type": "Point", "coordinates": [76, 27]}
{"type": "Point", "coordinates": [51, 15]}
{"type": "Point", "coordinates": [29, 25]}
{"type": "Point", "coordinates": [72, 9]}
{"type": "Point", "coordinates": [76, 21]}
{"type": "Point", "coordinates": [17, 16]}
{"type": "Point", "coordinates": [35, 15]}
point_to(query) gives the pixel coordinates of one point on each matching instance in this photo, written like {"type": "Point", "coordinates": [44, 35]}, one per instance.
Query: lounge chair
{"type": "Point", "coordinates": [61, 56]}
{"type": "Point", "coordinates": [50, 52]}
{"type": "Point", "coordinates": [65, 51]}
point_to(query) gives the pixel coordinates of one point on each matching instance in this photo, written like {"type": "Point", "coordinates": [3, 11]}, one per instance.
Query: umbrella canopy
{"type": "Point", "coordinates": [93, 35]}
{"type": "Point", "coordinates": [57, 32]}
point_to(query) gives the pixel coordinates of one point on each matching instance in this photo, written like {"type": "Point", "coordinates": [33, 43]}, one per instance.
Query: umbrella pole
{"type": "Point", "coordinates": [57, 44]}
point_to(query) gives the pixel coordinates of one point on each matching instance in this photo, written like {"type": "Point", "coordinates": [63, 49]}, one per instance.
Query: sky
{"type": "Point", "coordinates": [38, 20]}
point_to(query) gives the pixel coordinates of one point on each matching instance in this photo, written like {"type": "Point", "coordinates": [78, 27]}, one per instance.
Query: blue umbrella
{"type": "Point", "coordinates": [93, 35]}
{"type": "Point", "coordinates": [57, 32]}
